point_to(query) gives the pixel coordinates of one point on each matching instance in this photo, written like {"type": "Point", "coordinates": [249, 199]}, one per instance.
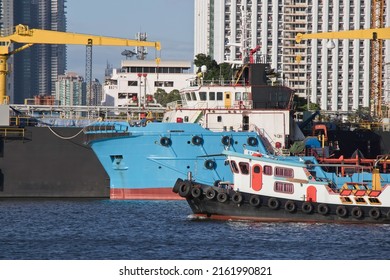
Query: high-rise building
{"type": "Point", "coordinates": [69, 89]}
{"type": "Point", "coordinates": [34, 70]}
{"type": "Point", "coordinates": [337, 79]}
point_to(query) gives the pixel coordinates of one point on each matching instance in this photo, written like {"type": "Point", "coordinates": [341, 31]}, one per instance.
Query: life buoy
{"type": "Point", "coordinates": [222, 197]}
{"type": "Point", "coordinates": [196, 192]}
{"type": "Point", "coordinates": [323, 209]}
{"type": "Point", "coordinates": [237, 198]}
{"type": "Point", "coordinates": [209, 164]}
{"type": "Point", "coordinates": [210, 193]}
{"type": "Point", "coordinates": [165, 141]}
{"type": "Point", "coordinates": [197, 140]}
{"type": "Point", "coordinates": [185, 189]}
{"type": "Point", "coordinates": [307, 207]}
{"type": "Point", "coordinates": [375, 213]}
{"type": "Point", "coordinates": [290, 206]}
{"type": "Point", "coordinates": [254, 200]}
{"type": "Point", "coordinates": [341, 211]}
{"type": "Point", "coordinates": [357, 213]}
{"type": "Point", "coordinates": [273, 203]}
{"type": "Point", "coordinates": [226, 140]}
{"type": "Point", "coordinates": [257, 155]}
{"type": "Point", "coordinates": [252, 141]}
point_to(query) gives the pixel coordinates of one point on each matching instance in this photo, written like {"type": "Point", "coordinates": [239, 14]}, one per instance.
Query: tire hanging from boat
{"type": "Point", "coordinates": [209, 164]}
{"type": "Point", "coordinates": [252, 141]}
{"type": "Point", "coordinates": [222, 197]}
{"type": "Point", "coordinates": [254, 200]}
{"type": "Point", "coordinates": [237, 198]}
{"type": "Point", "coordinates": [273, 203]}
{"type": "Point", "coordinates": [307, 207]}
{"type": "Point", "coordinates": [323, 209]}
{"type": "Point", "coordinates": [357, 213]}
{"type": "Point", "coordinates": [290, 206]}
{"type": "Point", "coordinates": [210, 193]}
{"type": "Point", "coordinates": [226, 140]}
{"type": "Point", "coordinates": [185, 189]}
{"type": "Point", "coordinates": [197, 140]}
{"type": "Point", "coordinates": [165, 141]}
{"type": "Point", "coordinates": [341, 211]}
{"type": "Point", "coordinates": [375, 213]}
{"type": "Point", "coordinates": [196, 192]}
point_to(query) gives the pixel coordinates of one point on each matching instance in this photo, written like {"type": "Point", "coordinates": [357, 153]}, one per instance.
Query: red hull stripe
{"type": "Point", "coordinates": [147, 194]}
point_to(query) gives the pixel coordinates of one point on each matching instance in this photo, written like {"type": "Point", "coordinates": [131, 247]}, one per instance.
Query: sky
{"type": "Point", "coordinates": [168, 21]}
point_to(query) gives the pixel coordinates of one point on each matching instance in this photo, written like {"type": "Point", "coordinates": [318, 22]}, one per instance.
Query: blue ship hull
{"type": "Point", "coordinates": [143, 162]}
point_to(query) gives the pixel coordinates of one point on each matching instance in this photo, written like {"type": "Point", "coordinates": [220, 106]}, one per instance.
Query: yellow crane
{"type": "Point", "coordinates": [23, 34]}
{"type": "Point", "coordinates": [374, 34]}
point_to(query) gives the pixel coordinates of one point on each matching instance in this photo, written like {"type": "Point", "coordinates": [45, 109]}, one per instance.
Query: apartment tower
{"type": "Point", "coordinates": [337, 78]}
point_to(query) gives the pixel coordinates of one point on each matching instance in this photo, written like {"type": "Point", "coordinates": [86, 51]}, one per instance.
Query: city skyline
{"type": "Point", "coordinates": [170, 22]}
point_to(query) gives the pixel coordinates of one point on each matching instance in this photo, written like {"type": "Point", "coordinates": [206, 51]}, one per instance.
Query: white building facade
{"type": "Point", "coordinates": [337, 79]}
{"type": "Point", "coordinates": [137, 80]}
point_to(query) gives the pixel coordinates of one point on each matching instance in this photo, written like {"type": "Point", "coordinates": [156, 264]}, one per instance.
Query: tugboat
{"type": "Point", "coordinates": [268, 188]}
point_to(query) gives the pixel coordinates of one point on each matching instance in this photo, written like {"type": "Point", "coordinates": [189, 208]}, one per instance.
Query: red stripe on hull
{"type": "Point", "coordinates": [144, 194]}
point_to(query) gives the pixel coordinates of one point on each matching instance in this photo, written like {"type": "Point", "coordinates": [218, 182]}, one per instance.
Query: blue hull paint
{"type": "Point", "coordinates": [140, 161]}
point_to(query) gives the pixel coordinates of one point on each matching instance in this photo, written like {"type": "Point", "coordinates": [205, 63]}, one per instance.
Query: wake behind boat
{"type": "Point", "coordinates": [282, 189]}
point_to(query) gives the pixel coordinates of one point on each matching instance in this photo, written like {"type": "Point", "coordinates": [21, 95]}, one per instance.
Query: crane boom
{"type": "Point", "coordinates": [23, 34]}
{"type": "Point", "coordinates": [376, 35]}
{"type": "Point", "coordinates": [372, 34]}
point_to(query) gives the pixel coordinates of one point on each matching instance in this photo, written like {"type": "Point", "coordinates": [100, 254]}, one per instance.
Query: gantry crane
{"type": "Point", "coordinates": [23, 34]}
{"type": "Point", "coordinates": [373, 34]}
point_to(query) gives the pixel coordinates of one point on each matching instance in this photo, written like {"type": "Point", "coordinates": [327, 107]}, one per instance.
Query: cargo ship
{"type": "Point", "coordinates": [43, 153]}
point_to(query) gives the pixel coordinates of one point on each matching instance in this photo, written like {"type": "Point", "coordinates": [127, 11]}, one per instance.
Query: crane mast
{"type": "Point", "coordinates": [23, 34]}
{"type": "Point", "coordinates": [377, 21]}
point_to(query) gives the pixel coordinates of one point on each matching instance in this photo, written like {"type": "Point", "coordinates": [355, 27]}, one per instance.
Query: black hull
{"type": "Point", "coordinates": [265, 209]}
{"type": "Point", "coordinates": [37, 163]}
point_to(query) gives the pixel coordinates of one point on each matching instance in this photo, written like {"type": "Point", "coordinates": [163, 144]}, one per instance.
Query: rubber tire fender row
{"type": "Point", "coordinates": [185, 189]}
{"type": "Point", "coordinates": [307, 207]}
{"type": "Point", "coordinates": [222, 197]}
{"type": "Point", "coordinates": [323, 209]}
{"type": "Point", "coordinates": [210, 193]}
{"type": "Point", "coordinates": [255, 201]}
{"type": "Point", "coordinates": [375, 213]}
{"type": "Point", "coordinates": [290, 206]}
{"type": "Point", "coordinates": [357, 213]}
{"type": "Point", "coordinates": [341, 211]}
{"type": "Point", "coordinates": [196, 192]}
{"type": "Point", "coordinates": [237, 198]}
{"type": "Point", "coordinates": [273, 203]}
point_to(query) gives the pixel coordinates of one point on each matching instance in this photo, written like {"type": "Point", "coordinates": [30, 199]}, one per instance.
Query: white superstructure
{"type": "Point", "coordinates": [137, 80]}
{"type": "Point", "coordinates": [337, 79]}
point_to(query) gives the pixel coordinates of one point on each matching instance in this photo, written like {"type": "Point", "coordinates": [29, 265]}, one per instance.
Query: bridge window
{"type": "Point", "coordinates": [219, 95]}
{"type": "Point", "coordinates": [233, 166]}
{"type": "Point", "coordinates": [202, 96]}
{"type": "Point", "coordinates": [244, 167]}
{"type": "Point", "coordinates": [211, 95]}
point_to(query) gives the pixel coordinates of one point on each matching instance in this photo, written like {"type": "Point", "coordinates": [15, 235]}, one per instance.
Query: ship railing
{"type": "Point", "coordinates": [266, 139]}
{"type": "Point", "coordinates": [14, 133]}
{"type": "Point", "coordinates": [104, 131]}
